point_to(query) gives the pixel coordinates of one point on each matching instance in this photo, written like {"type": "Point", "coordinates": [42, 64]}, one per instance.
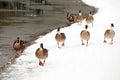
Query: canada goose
{"type": "Point", "coordinates": [89, 19]}
{"type": "Point", "coordinates": [18, 46]}
{"type": "Point", "coordinates": [80, 17]}
{"type": "Point", "coordinates": [70, 17]}
{"type": "Point", "coordinates": [60, 37]}
{"type": "Point", "coordinates": [42, 54]}
{"type": "Point", "coordinates": [109, 33]}
{"type": "Point", "coordinates": [85, 35]}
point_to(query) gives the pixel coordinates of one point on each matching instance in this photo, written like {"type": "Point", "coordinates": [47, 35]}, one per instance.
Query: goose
{"type": "Point", "coordinates": [60, 37]}
{"type": "Point", "coordinates": [85, 35]}
{"type": "Point", "coordinates": [80, 17]}
{"type": "Point", "coordinates": [89, 19]}
{"type": "Point", "coordinates": [42, 54]}
{"type": "Point", "coordinates": [109, 34]}
{"type": "Point", "coordinates": [70, 17]}
{"type": "Point", "coordinates": [18, 46]}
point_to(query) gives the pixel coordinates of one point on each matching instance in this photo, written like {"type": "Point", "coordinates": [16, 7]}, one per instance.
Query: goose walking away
{"type": "Point", "coordinates": [60, 38]}
{"type": "Point", "coordinates": [18, 46]}
{"type": "Point", "coordinates": [80, 17]}
{"type": "Point", "coordinates": [42, 54]}
{"type": "Point", "coordinates": [89, 19]}
{"type": "Point", "coordinates": [85, 35]}
{"type": "Point", "coordinates": [70, 17]}
{"type": "Point", "coordinates": [109, 34]}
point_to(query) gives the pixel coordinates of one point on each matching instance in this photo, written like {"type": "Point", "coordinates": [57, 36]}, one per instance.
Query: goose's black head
{"type": "Point", "coordinates": [90, 12]}
{"type": "Point", "coordinates": [58, 29]}
{"type": "Point", "coordinates": [18, 38]}
{"type": "Point", "coordinates": [112, 25]}
{"type": "Point", "coordinates": [79, 11]}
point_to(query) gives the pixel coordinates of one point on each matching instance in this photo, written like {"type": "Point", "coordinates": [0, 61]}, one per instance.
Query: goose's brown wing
{"type": "Point", "coordinates": [45, 53]}
{"type": "Point", "coordinates": [80, 18]}
{"type": "Point", "coordinates": [22, 43]}
{"type": "Point", "coordinates": [89, 19]}
{"type": "Point", "coordinates": [109, 33]}
{"type": "Point", "coordinates": [16, 45]}
{"type": "Point", "coordinates": [58, 37]}
{"type": "Point", "coordinates": [85, 35]}
{"type": "Point", "coordinates": [63, 36]}
{"type": "Point", "coordinates": [45, 50]}
{"type": "Point", "coordinates": [38, 53]}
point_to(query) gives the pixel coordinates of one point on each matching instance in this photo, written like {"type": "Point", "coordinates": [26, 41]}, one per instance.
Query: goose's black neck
{"type": "Point", "coordinates": [41, 45]}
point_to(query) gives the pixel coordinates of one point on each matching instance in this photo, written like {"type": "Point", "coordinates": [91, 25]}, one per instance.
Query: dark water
{"type": "Point", "coordinates": [29, 28]}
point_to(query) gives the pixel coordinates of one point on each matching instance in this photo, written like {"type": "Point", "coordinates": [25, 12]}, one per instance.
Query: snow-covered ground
{"type": "Point", "coordinates": [98, 61]}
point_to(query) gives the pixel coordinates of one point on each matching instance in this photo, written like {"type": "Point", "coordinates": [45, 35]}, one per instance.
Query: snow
{"type": "Point", "coordinates": [98, 61]}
